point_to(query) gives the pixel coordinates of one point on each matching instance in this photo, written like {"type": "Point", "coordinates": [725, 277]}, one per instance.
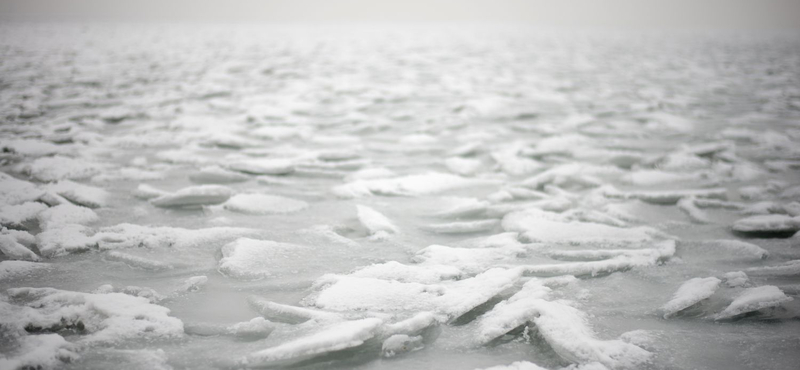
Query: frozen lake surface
{"type": "Point", "coordinates": [419, 197]}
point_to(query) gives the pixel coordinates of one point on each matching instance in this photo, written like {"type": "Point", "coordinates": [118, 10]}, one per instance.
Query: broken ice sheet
{"type": "Point", "coordinates": [280, 189]}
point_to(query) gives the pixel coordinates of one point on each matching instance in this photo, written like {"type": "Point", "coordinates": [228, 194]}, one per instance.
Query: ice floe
{"type": "Point", "coordinates": [462, 166]}
{"type": "Point", "coordinates": [15, 191]}
{"type": "Point", "coordinates": [66, 214]}
{"type": "Point", "coordinates": [429, 183]}
{"type": "Point", "coordinates": [80, 194]}
{"type": "Point", "coordinates": [788, 268]}
{"type": "Point", "coordinates": [56, 168]}
{"type": "Point", "coordinates": [217, 175]}
{"type": "Point", "coordinates": [131, 236]}
{"type": "Point", "coordinates": [66, 239]}
{"type": "Point", "coordinates": [336, 337]}
{"type": "Point", "coordinates": [375, 222]}
{"type": "Point", "coordinates": [462, 227]}
{"type": "Point", "coordinates": [519, 365]}
{"type": "Point", "coordinates": [563, 327]}
{"type": "Point", "coordinates": [255, 259]}
{"type": "Point", "coordinates": [604, 261]}
{"type": "Point", "coordinates": [13, 269]}
{"type": "Point", "coordinates": [102, 318]}
{"type": "Point", "coordinates": [43, 351]}
{"type": "Point", "coordinates": [256, 328]}
{"type": "Point", "coordinates": [266, 166]}
{"type": "Point", "coordinates": [541, 226]}
{"type": "Point", "coordinates": [16, 215]}
{"type": "Point", "coordinates": [690, 293]}
{"type": "Point", "coordinates": [194, 196]}
{"type": "Point", "coordinates": [753, 299]}
{"type": "Point", "coordinates": [264, 204]}
{"type": "Point", "coordinates": [736, 279]}
{"type": "Point", "coordinates": [10, 248]}
{"type": "Point", "coordinates": [425, 274]}
{"type": "Point", "coordinates": [401, 343]}
{"type": "Point", "coordinates": [768, 224]}
{"type": "Point", "coordinates": [453, 299]}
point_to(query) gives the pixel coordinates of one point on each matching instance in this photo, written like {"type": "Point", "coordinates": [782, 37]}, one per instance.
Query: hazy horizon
{"type": "Point", "coordinates": [681, 13]}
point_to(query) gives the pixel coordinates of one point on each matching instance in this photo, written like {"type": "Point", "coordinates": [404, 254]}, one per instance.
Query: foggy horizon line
{"type": "Point", "coordinates": [722, 14]}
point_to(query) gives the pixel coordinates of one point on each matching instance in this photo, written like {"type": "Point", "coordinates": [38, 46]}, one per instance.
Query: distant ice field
{"type": "Point", "coordinates": [178, 196]}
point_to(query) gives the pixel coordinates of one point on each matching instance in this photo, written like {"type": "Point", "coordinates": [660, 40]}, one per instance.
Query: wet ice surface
{"type": "Point", "coordinates": [401, 197]}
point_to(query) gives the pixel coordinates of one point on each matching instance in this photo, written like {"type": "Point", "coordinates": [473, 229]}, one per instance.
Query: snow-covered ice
{"type": "Point", "coordinates": [264, 204]}
{"type": "Point", "coordinates": [194, 196]}
{"type": "Point", "coordinates": [690, 293]}
{"type": "Point", "coordinates": [754, 299]}
{"type": "Point", "coordinates": [218, 196]}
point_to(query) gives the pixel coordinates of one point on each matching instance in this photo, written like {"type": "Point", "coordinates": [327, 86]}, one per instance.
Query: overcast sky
{"type": "Point", "coordinates": [710, 13]}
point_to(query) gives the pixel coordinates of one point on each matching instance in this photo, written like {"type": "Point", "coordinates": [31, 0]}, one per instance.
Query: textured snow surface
{"type": "Point", "coordinates": [187, 196]}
